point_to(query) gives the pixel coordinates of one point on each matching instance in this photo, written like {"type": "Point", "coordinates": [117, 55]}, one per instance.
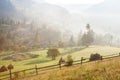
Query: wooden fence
{"type": "Point", "coordinates": [37, 70]}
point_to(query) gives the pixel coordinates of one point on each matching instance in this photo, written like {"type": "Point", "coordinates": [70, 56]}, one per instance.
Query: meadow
{"type": "Point", "coordinates": [100, 70]}
{"type": "Point", "coordinates": [42, 60]}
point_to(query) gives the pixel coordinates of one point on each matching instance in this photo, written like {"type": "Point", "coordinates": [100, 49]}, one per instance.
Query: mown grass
{"type": "Point", "coordinates": [100, 70]}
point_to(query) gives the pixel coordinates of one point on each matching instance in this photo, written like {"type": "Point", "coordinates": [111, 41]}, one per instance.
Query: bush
{"type": "Point", "coordinates": [69, 61]}
{"type": "Point", "coordinates": [3, 69]}
{"type": "Point", "coordinates": [53, 53]}
{"type": "Point", "coordinates": [94, 57]}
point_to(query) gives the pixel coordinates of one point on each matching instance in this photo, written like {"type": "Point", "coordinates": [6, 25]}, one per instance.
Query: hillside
{"type": "Point", "coordinates": [27, 23]}
{"type": "Point", "coordinates": [105, 70]}
{"type": "Point", "coordinates": [31, 10]}
{"type": "Point", "coordinates": [42, 60]}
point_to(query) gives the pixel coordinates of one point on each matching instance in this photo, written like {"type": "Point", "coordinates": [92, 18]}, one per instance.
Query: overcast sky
{"type": "Point", "coordinates": [79, 19]}
{"type": "Point", "coordinates": [58, 2]}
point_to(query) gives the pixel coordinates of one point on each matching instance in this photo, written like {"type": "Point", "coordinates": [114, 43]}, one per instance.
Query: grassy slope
{"type": "Point", "coordinates": [42, 60]}
{"type": "Point", "coordinates": [102, 70]}
{"type": "Point", "coordinates": [103, 50]}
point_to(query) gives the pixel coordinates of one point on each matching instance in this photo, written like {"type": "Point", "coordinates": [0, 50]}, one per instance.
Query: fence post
{"type": "Point", "coordinates": [36, 69]}
{"type": "Point", "coordinates": [10, 67]}
{"type": "Point", "coordinates": [81, 59]}
{"type": "Point", "coordinates": [101, 58]}
{"type": "Point", "coordinates": [10, 74]}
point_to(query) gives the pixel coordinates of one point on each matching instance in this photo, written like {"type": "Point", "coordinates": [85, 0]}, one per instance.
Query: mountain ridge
{"type": "Point", "coordinates": [6, 8]}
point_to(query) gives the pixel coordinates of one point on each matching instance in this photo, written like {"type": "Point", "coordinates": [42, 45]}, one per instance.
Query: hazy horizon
{"type": "Point", "coordinates": [69, 15]}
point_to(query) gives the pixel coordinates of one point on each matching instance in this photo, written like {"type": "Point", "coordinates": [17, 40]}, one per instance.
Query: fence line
{"type": "Point", "coordinates": [37, 69]}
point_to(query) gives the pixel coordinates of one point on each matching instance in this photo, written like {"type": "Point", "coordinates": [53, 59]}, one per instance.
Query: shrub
{"type": "Point", "coordinates": [94, 57]}
{"type": "Point", "coordinates": [3, 69]}
{"type": "Point", "coordinates": [69, 61]}
{"type": "Point", "coordinates": [53, 53]}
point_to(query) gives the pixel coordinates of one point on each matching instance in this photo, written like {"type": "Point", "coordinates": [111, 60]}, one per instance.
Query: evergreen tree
{"type": "Point", "coordinates": [88, 37]}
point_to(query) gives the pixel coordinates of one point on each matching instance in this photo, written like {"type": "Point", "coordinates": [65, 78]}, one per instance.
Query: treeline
{"type": "Point", "coordinates": [21, 36]}
{"type": "Point", "coordinates": [25, 35]}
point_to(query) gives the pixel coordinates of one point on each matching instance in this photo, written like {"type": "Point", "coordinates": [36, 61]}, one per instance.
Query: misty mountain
{"type": "Point", "coordinates": [103, 15]}
{"type": "Point", "coordinates": [32, 10]}
{"type": "Point", "coordinates": [32, 18]}
{"type": "Point", "coordinates": [6, 8]}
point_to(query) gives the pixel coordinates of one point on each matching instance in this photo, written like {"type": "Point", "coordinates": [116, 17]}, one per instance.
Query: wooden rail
{"type": "Point", "coordinates": [36, 69]}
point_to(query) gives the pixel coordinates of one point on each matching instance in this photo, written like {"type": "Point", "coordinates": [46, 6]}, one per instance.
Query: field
{"type": "Point", "coordinates": [101, 70]}
{"type": "Point", "coordinates": [42, 60]}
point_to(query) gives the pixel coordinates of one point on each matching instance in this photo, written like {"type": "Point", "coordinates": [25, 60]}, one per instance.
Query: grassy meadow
{"type": "Point", "coordinates": [101, 70]}
{"type": "Point", "coordinates": [42, 60]}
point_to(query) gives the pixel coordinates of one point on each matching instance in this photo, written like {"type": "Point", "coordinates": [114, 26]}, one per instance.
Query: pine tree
{"type": "Point", "coordinates": [88, 37]}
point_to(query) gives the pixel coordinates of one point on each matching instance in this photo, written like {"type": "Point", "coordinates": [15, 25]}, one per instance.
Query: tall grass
{"type": "Point", "coordinates": [101, 70]}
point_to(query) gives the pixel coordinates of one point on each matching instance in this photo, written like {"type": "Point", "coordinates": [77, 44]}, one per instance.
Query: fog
{"type": "Point", "coordinates": [67, 17]}
{"type": "Point", "coordinates": [102, 15]}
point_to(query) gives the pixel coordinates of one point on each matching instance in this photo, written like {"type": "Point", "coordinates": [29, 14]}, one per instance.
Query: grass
{"type": "Point", "coordinates": [101, 70]}
{"type": "Point", "coordinates": [103, 50]}
{"type": "Point", "coordinates": [42, 60]}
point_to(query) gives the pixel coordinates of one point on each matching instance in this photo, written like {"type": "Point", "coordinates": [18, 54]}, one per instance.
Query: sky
{"type": "Point", "coordinates": [58, 2]}
{"type": "Point", "coordinates": [71, 5]}
{"type": "Point", "coordinates": [74, 1]}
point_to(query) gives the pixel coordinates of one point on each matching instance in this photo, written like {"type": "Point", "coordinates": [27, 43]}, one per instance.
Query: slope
{"type": "Point", "coordinates": [103, 70]}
